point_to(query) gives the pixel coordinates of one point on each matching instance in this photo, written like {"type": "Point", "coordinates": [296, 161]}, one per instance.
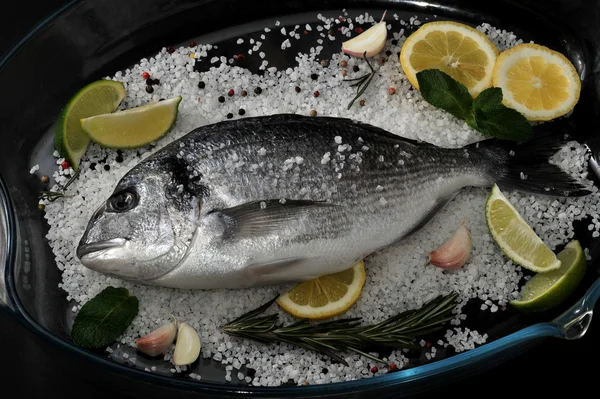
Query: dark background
{"type": "Point", "coordinates": [34, 368]}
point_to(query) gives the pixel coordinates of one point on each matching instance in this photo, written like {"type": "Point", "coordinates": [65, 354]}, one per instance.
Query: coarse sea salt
{"type": "Point", "coordinates": [397, 277]}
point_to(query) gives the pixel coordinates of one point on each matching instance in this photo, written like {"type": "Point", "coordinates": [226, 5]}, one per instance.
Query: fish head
{"type": "Point", "coordinates": [143, 230]}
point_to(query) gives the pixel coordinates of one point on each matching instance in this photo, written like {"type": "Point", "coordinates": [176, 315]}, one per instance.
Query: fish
{"type": "Point", "coordinates": [287, 198]}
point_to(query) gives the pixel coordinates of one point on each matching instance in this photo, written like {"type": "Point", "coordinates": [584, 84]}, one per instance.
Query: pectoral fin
{"type": "Point", "coordinates": [265, 217]}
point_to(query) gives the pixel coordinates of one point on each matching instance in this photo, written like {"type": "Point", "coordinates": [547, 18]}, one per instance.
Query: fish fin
{"type": "Point", "coordinates": [429, 215]}
{"type": "Point", "coordinates": [383, 134]}
{"type": "Point", "coordinates": [274, 267]}
{"type": "Point", "coordinates": [526, 167]}
{"type": "Point", "coordinates": [264, 217]}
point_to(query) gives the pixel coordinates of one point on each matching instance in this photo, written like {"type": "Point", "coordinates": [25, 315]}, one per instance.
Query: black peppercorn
{"type": "Point", "coordinates": [229, 115]}
{"type": "Point", "coordinates": [258, 90]}
{"type": "Point", "coordinates": [149, 89]}
{"type": "Point", "coordinates": [221, 99]}
{"type": "Point", "coordinates": [107, 167]}
{"type": "Point", "coordinates": [242, 111]}
{"type": "Point", "coordinates": [314, 76]}
{"type": "Point", "coordinates": [201, 85]}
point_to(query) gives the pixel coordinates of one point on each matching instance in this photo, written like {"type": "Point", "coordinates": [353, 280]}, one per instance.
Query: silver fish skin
{"type": "Point", "coordinates": [286, 198]}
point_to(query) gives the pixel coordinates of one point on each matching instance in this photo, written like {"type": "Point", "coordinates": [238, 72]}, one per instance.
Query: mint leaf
{"type": "Point", "coordinates": [492, 118]}
{"type": "Point", "coordinates": [104, 318]}
{"type": "Point", "coordinates": [440, 90]}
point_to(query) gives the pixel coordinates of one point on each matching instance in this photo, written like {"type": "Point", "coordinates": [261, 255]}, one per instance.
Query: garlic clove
{"type": "Point", "coordinates": [158, 341]}
{"type": "Point", "coordinates": [453, 253]}
{"type": "Point", "coordinates": [187, 348]}
{"type": "Point", "coordinates": [370, 41]}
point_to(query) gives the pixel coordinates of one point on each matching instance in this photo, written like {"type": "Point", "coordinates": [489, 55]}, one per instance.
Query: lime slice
{"type": "Point", "coordinates": [133, 127]}
{"type": "Point", "coordinates": [547, 290]}
{"type": "Point", "coordinates": [514, 236]}
{"type": "Point", "coordinates": [98, 97]}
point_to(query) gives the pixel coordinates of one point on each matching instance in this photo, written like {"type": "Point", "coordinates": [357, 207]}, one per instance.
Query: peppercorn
{"type": "Point", "coordinates": [145, 75]}
{"type": "Point", "coordinates": [428, 344]}
{"type": "Point", "coordinates": [119, 159]}
{"type": "Point", "coordinates": [149, 82]}
{"type": "Point", "coordinates": [201, 85]}
{"type": "Point", "coordinates": [358, 30]}
{"type": "Point", "coordinates": [392, 91]}
{"type": "Point", "coordinates": [192, 43]}
{"type": "Point", "coordinates": [156, 81]}
{"type": "Point", "coordinates": [221, 99]}
{"type": "Point", "coordinates": [344, 72]}
{"type": "Point", "coordinates": [170, 50]}
{"type": "Point", "coordinates": [149, 89]}
{"type": "Point", "coordinates": [162, 99]}
{"type": "Point", "coordinates": [374, 369]}
{"type": "Point", "coordinates": [355, 68]}
{"type": "Point", "coordinates": [244, 93]}
{"type": "Point", "coordinates": [316, 93]}
{"type": "Point", "coordinates": [388, 53]}
{"type": "Point", "coordinates": [93, 166]}
{"type": "Point", "coordinates": [229, 115]}
{"type": "Point", "coordinates": [313, 113]}
{"type": "Point", "coordinates": [314, 76]}
{"type": "Point", "coordinates": [106, 167]}
{"type": "Point", "coordinates": [45, 179]}
{"type": "Point", "coordinates": [305, 32]}
{"type": "Point", "coordinates": [362, 103]}
{"type": "Point", "coordinates": [41, 207]}
{"type": "Point", "coordinates": [298, 89]}
{"type": "Point", "coordinates": [393, 367]}
{"type": "Point", "coordinates": [242, 111]}
{"type": "Point", "coordinates": [65, 164]}
{"type": "Point", "coordinates": [394, 42]}
{"type": "Point", "coordinates": [343, 63]}
{"type": "Point", "coordinates": [258, 90]}
{"type": "Point", "coordinates": [324, 63]}
{"type": "Point", "coordinates": [230, 92]}
{"type": "Point", "coordinates": [381, 60]}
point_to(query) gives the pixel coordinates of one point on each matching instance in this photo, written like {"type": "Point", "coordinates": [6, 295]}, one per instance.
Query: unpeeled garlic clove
{"type": "Point", "coordinates": [187, 348]}
{"type": "Point", "coordinates": [454, 253]}
{"type": "Point", "coordinates": [370, 41]}
{"type": "Point", "coordinates": [158, 341]}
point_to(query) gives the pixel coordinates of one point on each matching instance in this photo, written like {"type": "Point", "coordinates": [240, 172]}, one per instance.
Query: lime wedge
{"type": "Point", "coordinates": [515, 237]}
{"type": "Point", "coordinates": [98, 97]}
{"type": "Point", "coordinates": [133, 127]}
{"type": "Point", "coordinates": [546, 290]}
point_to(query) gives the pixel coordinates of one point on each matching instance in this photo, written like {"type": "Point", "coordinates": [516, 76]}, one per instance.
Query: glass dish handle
{"type": "Point", "coordinates": [5, 244]}
{"type": "Point", "coordinates": [574, 322]}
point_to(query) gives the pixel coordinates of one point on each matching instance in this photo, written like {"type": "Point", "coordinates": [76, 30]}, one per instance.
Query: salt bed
{"type": "Point", "coordinates": [398, 278]}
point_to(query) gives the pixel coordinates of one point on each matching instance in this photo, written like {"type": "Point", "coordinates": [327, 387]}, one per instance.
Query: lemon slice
{"type": "Point", "coordinates": [547, 290]}
{"type": "Point", "coordinates": [326, 296]}
{"type": "Point", "coordinates": [540, 83]}
{"type": "Point", "coordinates": [462, 52]}
{"type": "Point", "coordinates": [96, 98]}
{"type": "Point", "coordinates": [134, 127]}
{"type": "Point", "coordinates": [515, 237]}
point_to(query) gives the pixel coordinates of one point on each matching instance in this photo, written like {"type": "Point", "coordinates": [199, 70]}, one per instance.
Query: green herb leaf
{"type": "Point", "coordinates": [491, 117]}
{"type": "Point", "coordinates": [104, 318]}
{"type": "Point", "coordinates": [440, 90]}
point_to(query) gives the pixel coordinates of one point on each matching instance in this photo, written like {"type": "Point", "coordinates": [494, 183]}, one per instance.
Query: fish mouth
{"type": "Point", "coordinates": [88, 249]}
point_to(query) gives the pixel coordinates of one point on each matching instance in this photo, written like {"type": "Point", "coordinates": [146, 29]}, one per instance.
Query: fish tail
{"type": "Point", "coordinates": [526, 167]}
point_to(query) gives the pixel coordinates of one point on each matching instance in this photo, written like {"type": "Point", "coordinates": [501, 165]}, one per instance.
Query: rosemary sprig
{"type": "Point", "coordinates": [347, 334]}
{"type": "Point", "coordinates": [54, 195]}
{"type": "Point", "coordinates": [361, 82]}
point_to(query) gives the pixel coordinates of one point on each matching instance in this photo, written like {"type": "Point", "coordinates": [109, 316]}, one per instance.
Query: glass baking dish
{"type": "Point", "coordinates": [87, 40]}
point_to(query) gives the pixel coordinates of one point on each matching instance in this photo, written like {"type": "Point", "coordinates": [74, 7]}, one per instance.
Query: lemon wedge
{"type": "Point", "coordinates": [326, 296]}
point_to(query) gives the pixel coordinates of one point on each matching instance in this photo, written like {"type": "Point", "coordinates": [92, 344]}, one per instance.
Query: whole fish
{"type": "Point", "coordinates": [286, 198]}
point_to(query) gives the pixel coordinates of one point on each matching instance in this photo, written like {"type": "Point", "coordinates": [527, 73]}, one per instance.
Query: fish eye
{"type": "Point", "coordinates": [121, 202]}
